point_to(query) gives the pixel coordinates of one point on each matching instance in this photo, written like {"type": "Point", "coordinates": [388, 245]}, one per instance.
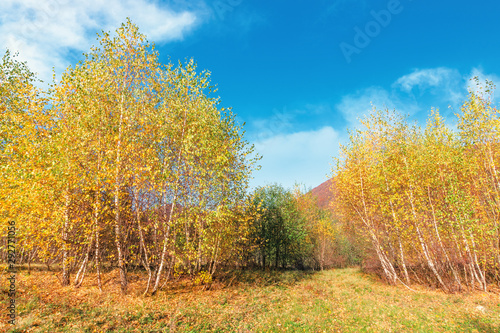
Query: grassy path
{"type": "Point", "coordinates": [343, 300]}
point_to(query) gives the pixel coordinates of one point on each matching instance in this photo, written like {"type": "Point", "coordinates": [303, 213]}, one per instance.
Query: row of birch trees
{"type": "Point", "coordinates": [124, 161]}
{"type": "Point", "coordinates": [427, 200]}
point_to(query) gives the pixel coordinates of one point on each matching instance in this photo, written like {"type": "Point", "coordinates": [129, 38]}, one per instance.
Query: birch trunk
{"type": "Point", "coordinates": [65, 273]}
{"type": "Point", "coordinates": [118, 236]}
{"type": "Point", "coordinates": [142, 244]}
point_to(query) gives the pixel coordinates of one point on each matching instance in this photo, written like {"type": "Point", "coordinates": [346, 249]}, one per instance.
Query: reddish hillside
{"type": "Point", "coordinates": [324, 193]}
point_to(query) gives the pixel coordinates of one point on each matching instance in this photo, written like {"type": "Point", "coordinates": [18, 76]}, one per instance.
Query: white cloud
{"type": "Point", "coordinates": [46, 32]}
{"type": "Point", "coordinates": [302, 157]}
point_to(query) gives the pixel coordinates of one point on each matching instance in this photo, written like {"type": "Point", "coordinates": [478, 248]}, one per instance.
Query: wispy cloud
{"type": "Point", "coordinates": [427, 78]}
{"type": "Point", "coordinates": [414, 94]}
{"type": "Point", "coordinates": [47, 32]}
{"type": "Point", "coordinates": [445, 85]}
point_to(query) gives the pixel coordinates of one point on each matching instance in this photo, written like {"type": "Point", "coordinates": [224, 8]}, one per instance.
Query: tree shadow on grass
{"type": "Point", "coordinates": [481, 325]}
{"type": "Point", "coordinates": [262, 278]}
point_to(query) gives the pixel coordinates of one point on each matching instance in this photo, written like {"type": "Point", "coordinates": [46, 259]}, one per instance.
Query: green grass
{"type": "Point", "coordinates": [344, 300]}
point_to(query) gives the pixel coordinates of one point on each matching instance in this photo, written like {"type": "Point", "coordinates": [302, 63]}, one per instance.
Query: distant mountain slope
{"type": "Point", "coordinates": [324, 193]}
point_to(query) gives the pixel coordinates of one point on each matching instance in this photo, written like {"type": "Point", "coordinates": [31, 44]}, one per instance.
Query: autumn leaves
{"type": "Point", "coordinates": [427, 200]}
{"type": "Point", "coordinates": [124, 160]}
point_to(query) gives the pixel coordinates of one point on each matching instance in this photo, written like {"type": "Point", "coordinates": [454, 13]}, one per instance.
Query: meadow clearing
{"type": "Point", "coordinates": [337, 300]}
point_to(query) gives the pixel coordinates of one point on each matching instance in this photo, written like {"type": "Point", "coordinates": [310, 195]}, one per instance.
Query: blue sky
{"type": "Point", "coordinates": [298, 73]}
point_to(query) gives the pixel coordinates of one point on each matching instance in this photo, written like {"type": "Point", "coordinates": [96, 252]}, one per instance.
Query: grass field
{"type": "Point", "coordinates": [344, 300]}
